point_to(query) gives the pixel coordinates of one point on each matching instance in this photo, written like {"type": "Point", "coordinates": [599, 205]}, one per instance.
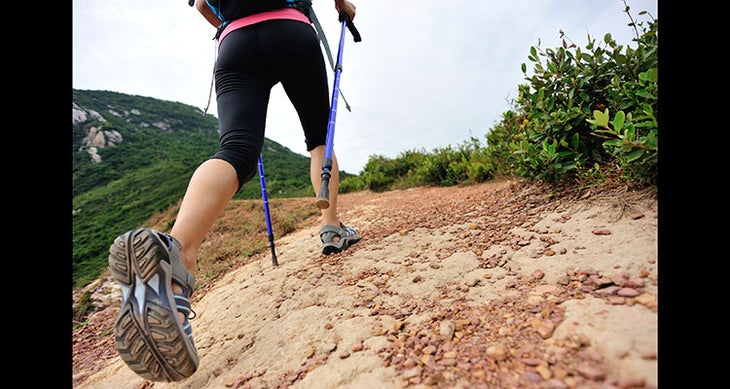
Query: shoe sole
{"type": "Point", "coordinates": [147, 332]}
{"type": "Point", "coordinates": [335, 247]}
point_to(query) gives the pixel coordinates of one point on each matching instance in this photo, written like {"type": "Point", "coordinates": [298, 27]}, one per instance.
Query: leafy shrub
{"type": "Point", "coordinates": [560, 126]}
{"type": "Point", "coordinates": [557, 136]}
{"type": "Point", "coordinates": [633, 134]}
{"type": "Point", "coordinates": [352, 184]}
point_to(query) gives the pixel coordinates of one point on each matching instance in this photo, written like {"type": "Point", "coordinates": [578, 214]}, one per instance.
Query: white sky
{"type": "Point", "coordinates": [428, 74]}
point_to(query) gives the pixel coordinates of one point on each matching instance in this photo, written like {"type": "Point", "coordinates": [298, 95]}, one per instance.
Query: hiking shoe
{"type": "Point", "coordinates": [148, 333]}
{"type": "Point", "coordinates": [347, 236]}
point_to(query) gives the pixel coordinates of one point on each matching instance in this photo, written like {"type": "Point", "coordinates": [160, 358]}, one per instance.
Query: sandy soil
{"type": "Point", "coordinates": [497, 285]}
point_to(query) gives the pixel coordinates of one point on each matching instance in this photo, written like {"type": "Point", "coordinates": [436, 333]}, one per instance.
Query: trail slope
{"type": "Point", "coordinates": [498, 285]}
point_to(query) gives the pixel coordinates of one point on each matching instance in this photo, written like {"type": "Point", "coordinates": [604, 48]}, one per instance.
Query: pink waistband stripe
{"type": "Point", "coordinates": [283, 13]}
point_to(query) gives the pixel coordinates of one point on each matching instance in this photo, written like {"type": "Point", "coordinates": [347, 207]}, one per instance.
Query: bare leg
{"type": "Point", "coordinates": [329, 215]}
{"type": "Point", "coordinates": [210, 189]}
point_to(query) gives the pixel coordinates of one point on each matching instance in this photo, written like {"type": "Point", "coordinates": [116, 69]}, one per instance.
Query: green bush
{"type": "Point", "coordinates": [585, 113]}
{"type": "Point", "coordinates": [352, 184]}
{"type": "Point", "coordinates": [633, 134]}
{"type": "Point", "coordinates": [558, 135]}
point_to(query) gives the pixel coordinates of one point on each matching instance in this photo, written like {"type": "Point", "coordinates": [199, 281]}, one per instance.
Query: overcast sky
{"type": "Point", "coordinates": [427, 74]}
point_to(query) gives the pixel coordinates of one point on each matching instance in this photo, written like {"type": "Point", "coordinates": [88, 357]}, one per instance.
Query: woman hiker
{"type": "Point", "coordinates": [256, 50]}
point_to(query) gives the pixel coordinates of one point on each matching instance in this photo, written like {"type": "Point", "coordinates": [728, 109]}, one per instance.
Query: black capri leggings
{"type": "Point", "coordinates": [251, 60]}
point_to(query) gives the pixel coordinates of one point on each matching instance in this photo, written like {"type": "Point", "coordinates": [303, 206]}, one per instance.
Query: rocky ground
{"type": "Point", "coordinates": [496, 285]}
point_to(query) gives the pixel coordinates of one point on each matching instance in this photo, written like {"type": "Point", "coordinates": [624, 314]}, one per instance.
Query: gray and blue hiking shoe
{"type": "Point", "coordinates": [345, 236]}
{"type": "Point", "coordinates": [149, 335]}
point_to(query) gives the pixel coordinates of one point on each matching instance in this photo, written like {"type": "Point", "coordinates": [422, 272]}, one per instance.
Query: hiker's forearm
{"type": "Point", "coordinates": [207, 13]}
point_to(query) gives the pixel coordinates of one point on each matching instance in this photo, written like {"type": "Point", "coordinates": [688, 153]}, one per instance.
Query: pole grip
{"type": "Point", "coordinates": [350, 26]}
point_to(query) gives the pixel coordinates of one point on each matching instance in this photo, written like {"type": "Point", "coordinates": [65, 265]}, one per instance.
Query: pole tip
{"type": "Point", "coordinates": [323, 203]}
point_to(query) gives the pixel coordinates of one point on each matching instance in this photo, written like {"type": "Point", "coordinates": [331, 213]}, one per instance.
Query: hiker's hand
{"type": "Point", "coordinates": [346, 7]}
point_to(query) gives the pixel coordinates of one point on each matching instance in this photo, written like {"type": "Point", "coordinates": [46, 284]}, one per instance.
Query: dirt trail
{"type": "Point", "coordinates": [497, 285]}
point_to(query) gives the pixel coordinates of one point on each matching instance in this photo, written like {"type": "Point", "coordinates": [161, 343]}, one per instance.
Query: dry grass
{"type": "Point", "coordinates": [240, 232]}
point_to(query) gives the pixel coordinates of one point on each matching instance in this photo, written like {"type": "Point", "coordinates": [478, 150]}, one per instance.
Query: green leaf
{"type": "Point", "coordinates": [651, 75]}
{"type": "Point", "coordinates": [575, 140]}
{"type": "Point", "coordinates": [618, 120]}
{"type": "Point", "coordinates": [601, 118]}
{"type": "Point", "coordinates": [634, 155]}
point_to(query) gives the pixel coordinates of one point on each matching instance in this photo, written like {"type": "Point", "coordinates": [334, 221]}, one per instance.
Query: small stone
{"type": "Point", "coordinates": [544, 372]}
{"type": "Point", "coordinates": [628, 292]}
{"type": "Point", "coordinates": [446, 329]}
{"type": "Point", "coordinates": [544, 328]}
{"type": "Point", "coordinates": [357, 346]}
{"type": "Point", "coordinates": [429, 350]}
{"type": "Point", "coordinates": [412, 372]}
{"type": "Point", "coordinates": [497, 352]}
{"type": "Point", "coordinates": [590, 372]}
{"type": "Point", "coordinates": [602, 231]}
{"type": "Point", "coordinates": [531, 376]}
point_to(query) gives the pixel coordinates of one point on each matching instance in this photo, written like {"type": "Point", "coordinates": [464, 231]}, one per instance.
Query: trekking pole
{"type": "Point", "coordinates": [265, 196]}
{"type": "Point", "coordinates": [323, 201]}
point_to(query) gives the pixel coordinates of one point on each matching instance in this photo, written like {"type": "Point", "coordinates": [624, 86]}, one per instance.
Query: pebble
{"type": "Point", "coordinates": [602, 231]}
{"type": "Point", "coordinates": [497, 352]}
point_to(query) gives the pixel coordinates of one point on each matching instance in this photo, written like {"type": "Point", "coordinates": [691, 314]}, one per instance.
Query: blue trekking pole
{"type": "Point", "coordinates": [323, 201]}
{"type": "Point", "coordinates": [265, 196]}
